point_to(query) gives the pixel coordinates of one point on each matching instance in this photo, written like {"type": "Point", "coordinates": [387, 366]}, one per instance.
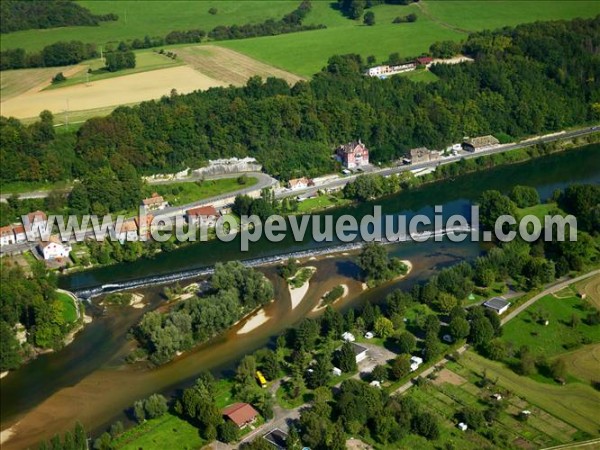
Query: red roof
{"type": "Point", "coordinates": [424, 60]}
{"type": "Point", "coordinates": [154, 200]}
{"type": "Point", "coordinates": [6, 230]}
{"type": "Point", "coordinates": [36, 215]}
{"type": "Point", "coordinates": [208, 211]}
{"type": "Point", "coordinates": [240, 413]}
{"type": "Point", "coordinates": [19, 229]}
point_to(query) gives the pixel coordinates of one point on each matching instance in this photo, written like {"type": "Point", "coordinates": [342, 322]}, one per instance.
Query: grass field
{"type": "Point", "coordinates": [558, 336]}
{"type": "Point", "coordinates": [575, 403]}
{"type": "Point", "coordinates": [183, 193]}
{"type": "Point", "coordinates": [68, 308]}
{"type": "Point", "coordinates": [145, 60]}
{"type": "Point", "coordinates": [321, 202]}
{"type": "Point", "coordinates": [153, 18]}
{"type": "Point", "coordinates": [591, 288]}
{"type": "Point", "coordinates": [168, 431]}
{"type": "Point", "coordinates": [538, 211]}
{"type": "Point", "coordinates": [584, 363]}
{"type": "Point", "coordinates": [421, 75]}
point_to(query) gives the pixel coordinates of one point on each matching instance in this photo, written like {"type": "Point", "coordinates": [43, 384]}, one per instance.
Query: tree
{"type": "Point", "coordinates": [406, 342]}
{"type": "Point", "coordinates": [459, 328]}
{"type": "Point", "coordinates": [558, 369]}
{"type": "Point", "coordinates": [526, 364]}
{"type": "Point", "coordinates": [426, 425]}
{"type": "Point", "coordinates": [379, 373]}
{"type": "Point", "coordinates": [445, 302]}
{"type": "Point", "coordinates": [155, 406]}
{"type": "Point", "coordinates": [472, 417]}
{"type": "Point", "coordinates": [431, 347]}
{"type": "Point", "coordinates": [524, 196]}
{"type": "Point", "coordinates": [10, 357]}
{"type": "Point", "coordinates": [345, 358]}
{"type": "Point", "coordinates": [369, 18]}
{"type": "Point", "coordinates": [228, 432]}
{"type": "Point", "coordinates": [481, 332]}
{"type": "Point", "coordinates": [492, 205]}
{"type": "Point", "coordinates": [400, 366]}
{"type": "Point", "coordinates": [246, 371]}
{"type": "Point", "coordinates": [383, 327]}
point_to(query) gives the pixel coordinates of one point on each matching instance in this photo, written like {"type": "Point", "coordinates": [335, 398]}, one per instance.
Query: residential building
{"type": "Point", "coordinates": [360, 352]}
{"type": "Point", "coordinates": [424, 61]}
{"type": "Point", "coordinates": [35, 225]}
{"type": "Point", "coordinates": [300, 183]}
{"type": "Point", "coordinates": [353, 155]}
{"type": "Point", "coordinates": [206, 215]}
{"type": "Point", "coordinates": [154, 203]}
{"type": "Point", "coordinates": [480, 143]}
{"type": "Point", "coordinates": [128, 231]}
{"type": "Point", "coordinates": [423, 155]}
{"type": "Point", "coordinates": [7, 235]}
{"type": "Point", "coordinates": [20, 235]}
{"type": "Point", "coordinates": [386, 70]}
{"type": "Point", "coordinates": [497, 304]}
{"type": "Point", "coordinates": [54, 248]}
{"type": "Point", "coordinates": [241, 414]}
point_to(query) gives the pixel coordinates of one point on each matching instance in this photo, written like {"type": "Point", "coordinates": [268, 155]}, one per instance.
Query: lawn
{"type": "Point", "coordinates": [183, 193]}
{"type": "Point", "coordinates": [168, 431]}
{"type": "Point", "coordinates": [145, 60]}
{"type": "Point", "coordinates": [321, 202]}
{"type": "Point", "coordinates": [19, 187]}
{"type": "Point", "coordinates": [558, 336]}
{"type": "Point", "coordinates": [69, 312]}
{"type": "Point", "coordinates": [538, 211]}
{"type": "Point", "coordinates": [575, 403]}
{"type": "Point", "coordinates": [584, 363]}
{"type": "Point", "coordinates": [422, 75]}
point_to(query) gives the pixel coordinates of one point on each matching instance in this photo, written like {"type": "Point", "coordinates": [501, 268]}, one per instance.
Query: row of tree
{"type": "Point", "coordinates": [42, 14]}
{"type": "Point", "coordinates": [60, 53]}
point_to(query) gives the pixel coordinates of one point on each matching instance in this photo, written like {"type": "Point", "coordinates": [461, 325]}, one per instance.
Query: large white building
{"type": "Point", "coordinates": [54, 249]}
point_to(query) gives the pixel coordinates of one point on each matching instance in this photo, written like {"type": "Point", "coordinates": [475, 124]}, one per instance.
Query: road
{"type": "Point", "coordinates": [342, 181]}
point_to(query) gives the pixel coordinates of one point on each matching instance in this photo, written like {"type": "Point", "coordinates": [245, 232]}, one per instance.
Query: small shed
{"type": "Point", "coordinates": [462, 426]}
{"type": "Point", "coordinates": [498, 304]}
{"type": "Point", "coordinates": [337, 371]}
{"type": "Point", "coordinates": [360, 352]}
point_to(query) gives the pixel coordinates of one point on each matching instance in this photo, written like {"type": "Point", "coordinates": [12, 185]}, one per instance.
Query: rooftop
{"type": "Point", "coordinates": [240, 413]}
{"type": "Point", "coordinates": [496, 303]}
{"type": "Point", "coordinates": [358, 349]}
{"type": "Point", "coordinates": [277, 437]}
{"type": "Point", "coordinates": [208, 210]}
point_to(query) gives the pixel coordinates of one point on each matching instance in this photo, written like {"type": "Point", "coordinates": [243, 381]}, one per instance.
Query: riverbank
{"type": "Point", "coordinates": [297, 293]}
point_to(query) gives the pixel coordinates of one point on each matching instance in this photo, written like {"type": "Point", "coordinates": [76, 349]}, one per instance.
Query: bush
{"type": "Point", "coordinates": [58, 78]}
{"type": "Point", "coordinates": [213, 11]}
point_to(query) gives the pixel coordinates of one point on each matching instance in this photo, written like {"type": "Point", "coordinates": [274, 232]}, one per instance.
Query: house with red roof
{"type": "Point", "coordinates": [241, 414]}
{"type": "Point", "coordinates": [206, 215]}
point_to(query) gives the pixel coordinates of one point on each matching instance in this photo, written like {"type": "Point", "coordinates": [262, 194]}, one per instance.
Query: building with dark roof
{"type": "Point", "coordinates": [498, 304]}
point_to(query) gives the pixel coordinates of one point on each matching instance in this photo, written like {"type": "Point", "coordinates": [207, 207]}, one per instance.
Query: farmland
{"type": "Point", "coordinates": [100, 94]}
{"type": "Point", "coordinates": [229, 66]}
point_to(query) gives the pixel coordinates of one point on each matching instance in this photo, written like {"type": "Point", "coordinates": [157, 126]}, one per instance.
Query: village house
{"type": "Point", "coordinates": [154, 203]}
{"type": "Point", "coordinates": [423, 155]}
{"type": "Point", "coordinates": [20, 235]}
{"type": "Point", "coordinates": [353, 154]}
{"type": "Point", "coordinates": [424, 61]}
{"type": "Point", "coordinates": [480, 143]}
{"type": "Point", "coordinates": [128, 231]}
{"type": "Point", "coordinates": [240, 414]}
{"type": "Point", "coordinates": [7, 236]}
{"type": "Point", "coordinates": [300, 183]}
{"type": "Point", "coordinates": [205, 215]}
{"type": "Point", "coordinates": [415, 363]}
{"type": "Point", "coordinates": [35, 225]}
{"type": "Point", "coordinates": [277, 438]}
{"type": "Point", "coordinates": [54, 248]}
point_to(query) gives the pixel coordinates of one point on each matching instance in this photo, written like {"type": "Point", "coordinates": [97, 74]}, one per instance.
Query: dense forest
{"type": "Point", "coordinates": [236, 290]}
{"type": "Point", "coordinates": [525, 80]}
{"type": "Point", "coordinates": [41, 14]}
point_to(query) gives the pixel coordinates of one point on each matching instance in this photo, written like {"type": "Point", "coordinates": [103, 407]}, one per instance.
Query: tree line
{"type": "Point", "coordinates": [60, 53]}
{"type": "Point", "coordinates": [43, 14]}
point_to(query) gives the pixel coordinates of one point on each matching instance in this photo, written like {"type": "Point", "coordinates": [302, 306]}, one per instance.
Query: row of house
{"type": "Point", "coordinates": [33, 227]}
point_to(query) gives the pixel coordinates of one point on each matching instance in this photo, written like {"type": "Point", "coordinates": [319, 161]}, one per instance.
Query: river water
{"type": "Point", "coordinates": [88, 380]}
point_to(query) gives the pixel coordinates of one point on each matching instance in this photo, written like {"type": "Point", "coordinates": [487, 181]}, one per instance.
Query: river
{"type": "Point", "coordinates": [88, 380]}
